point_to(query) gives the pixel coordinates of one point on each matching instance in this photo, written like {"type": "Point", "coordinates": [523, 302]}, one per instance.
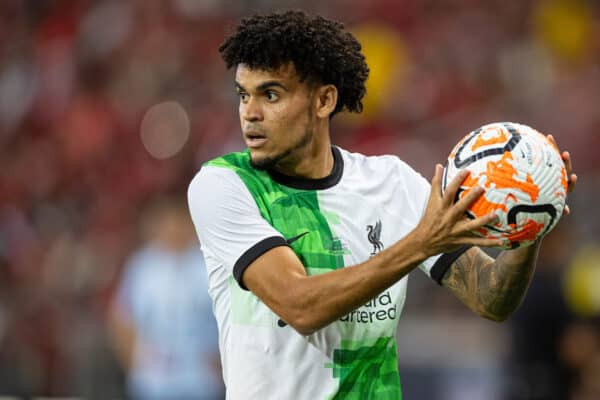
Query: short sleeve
{"type": "Point", "coordinates": [227, 220]}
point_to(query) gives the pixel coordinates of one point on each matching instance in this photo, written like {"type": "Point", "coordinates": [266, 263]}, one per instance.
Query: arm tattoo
{"type": "Point", "coordinates": [491, 288]}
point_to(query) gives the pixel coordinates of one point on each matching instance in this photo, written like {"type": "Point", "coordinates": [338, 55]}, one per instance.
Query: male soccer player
{"type": "Point", "coordinates": [308, 246]}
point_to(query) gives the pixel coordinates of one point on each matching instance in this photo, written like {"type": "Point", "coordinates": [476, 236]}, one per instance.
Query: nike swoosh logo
{"type": "Point", "coordinates": [293, 239]}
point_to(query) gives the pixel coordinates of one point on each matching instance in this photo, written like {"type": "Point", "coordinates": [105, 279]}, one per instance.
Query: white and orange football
{"type": "Point", "coordinates": [524, 178]}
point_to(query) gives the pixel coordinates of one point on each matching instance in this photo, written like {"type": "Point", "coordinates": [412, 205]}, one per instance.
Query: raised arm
{"type": "Point", "coordinates": [309, 303]}
{"type": "Point", "coordinates": [495, 288]}
{"type": "Point", "coordinates": [492, 288]}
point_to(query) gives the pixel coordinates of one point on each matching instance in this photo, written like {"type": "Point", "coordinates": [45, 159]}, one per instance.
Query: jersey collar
{"type": "Point", "coordinates": [314, 184]}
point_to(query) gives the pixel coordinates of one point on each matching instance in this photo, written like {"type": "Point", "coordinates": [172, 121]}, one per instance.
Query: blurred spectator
{"type": "Point", "coordinates": [162, 320]}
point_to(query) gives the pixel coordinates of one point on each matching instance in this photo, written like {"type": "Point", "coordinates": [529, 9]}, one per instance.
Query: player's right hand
{"type": "Point", "coordinates": [444, 226]}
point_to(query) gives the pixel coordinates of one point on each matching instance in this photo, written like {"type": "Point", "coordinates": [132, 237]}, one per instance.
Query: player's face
{"type": "Point", "coordinates": [275, 115]}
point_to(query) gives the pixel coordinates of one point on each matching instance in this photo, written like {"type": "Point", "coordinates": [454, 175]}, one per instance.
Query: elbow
{"type": "Point", "coordinates": [498, 310]}
{"type": "Point", "coordinates": [302, 312]}
{"type": "Point", "coordinates": [302, 323]}
{"type": "Point", "coordinates": [303, 316]}
{"type": "Point", "coordinates": [495, 317]}
{"type": "Point", "coordinates": [305, 330]}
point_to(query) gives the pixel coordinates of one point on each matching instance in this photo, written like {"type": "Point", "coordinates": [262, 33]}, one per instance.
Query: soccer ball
{"type": "Point", "coordinates": [524, 178]}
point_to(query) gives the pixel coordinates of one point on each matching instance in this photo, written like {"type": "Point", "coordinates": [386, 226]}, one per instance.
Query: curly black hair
{"type": "Point", "coordinates": [320, 49]}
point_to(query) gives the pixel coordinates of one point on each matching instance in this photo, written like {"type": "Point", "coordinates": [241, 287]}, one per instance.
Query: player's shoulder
{"type": "Point", "coordinates": [376, 164]}
{"type": "Point", "coordinates": [227, 182]}
{"type": "Point", "coordinates": [235, 160]}
{"type": "Point", "coordinates": [220, 171]}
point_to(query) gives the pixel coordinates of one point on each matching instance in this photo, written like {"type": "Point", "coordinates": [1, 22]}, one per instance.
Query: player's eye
{"type": "Point", "coordinates": [243, 96]}
{"type": "Point", "coordinates": [271, 96]}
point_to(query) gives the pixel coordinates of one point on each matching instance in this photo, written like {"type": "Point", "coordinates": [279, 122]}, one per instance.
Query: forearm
{"type": "Point", "coordinates": [336, 294]}
{"type": "Point", "coordinates": [492, 288]}
{"type": "Point", "coordinates": [502, 287]}
{"type": "Point", "coordinates": [309, 303]}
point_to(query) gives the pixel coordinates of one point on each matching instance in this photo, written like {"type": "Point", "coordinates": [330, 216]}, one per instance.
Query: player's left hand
{"type": "Point", "coordinates": [571, 177]}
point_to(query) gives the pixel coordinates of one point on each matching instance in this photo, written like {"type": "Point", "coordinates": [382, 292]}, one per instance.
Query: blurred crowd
{"type": "Point", "coordinates": [107, 105]}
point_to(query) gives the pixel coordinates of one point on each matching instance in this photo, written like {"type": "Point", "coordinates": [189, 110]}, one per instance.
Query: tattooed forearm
{"type": "Point", "coordinates": [492, 288]}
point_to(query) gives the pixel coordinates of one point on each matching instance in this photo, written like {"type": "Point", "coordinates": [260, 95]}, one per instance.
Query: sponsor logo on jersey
{"type": "Point", "coordinates": [374, 236]}
{"type": "Point", "coordinates": [380, 308]}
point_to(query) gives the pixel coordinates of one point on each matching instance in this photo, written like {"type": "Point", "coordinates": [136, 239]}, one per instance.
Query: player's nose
{"type": "Point", "coordinates": [251, 110]}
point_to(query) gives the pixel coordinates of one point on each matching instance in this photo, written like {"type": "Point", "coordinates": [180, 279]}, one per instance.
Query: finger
{"type": "Point", "coordinates": [566, 156]}
{"type": "Point", "coordinates": [485, 242]}
{"type": "Point", "coordinates": [463, 203]}
{"type": "Point", "coordinates": [474, 224]}
{"type": "Point", "coordinates": [572, 181]}
{"type": "Point", "coordinates": [571, 177]}
{"type": "Point", "coordinates": [436, 180]}
{"type": "Point", "coordinates": [452, 188]}
{"type": "Point", "coordinates": [567, 210]}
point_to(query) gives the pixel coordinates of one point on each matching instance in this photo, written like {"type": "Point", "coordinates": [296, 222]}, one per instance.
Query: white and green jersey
{"type": "Point", "coordinates": [364, 205]}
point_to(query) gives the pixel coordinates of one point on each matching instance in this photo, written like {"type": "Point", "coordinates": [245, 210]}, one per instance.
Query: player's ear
{"type": "Point", "coordinates": [326, 97]}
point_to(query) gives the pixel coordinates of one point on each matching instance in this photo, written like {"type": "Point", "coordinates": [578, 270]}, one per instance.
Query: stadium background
{"type": "Point", "coordinates": [105, 105]}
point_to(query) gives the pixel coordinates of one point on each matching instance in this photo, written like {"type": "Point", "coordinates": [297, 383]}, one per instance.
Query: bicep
{"type": "Point", "coordinates": [274, 278]}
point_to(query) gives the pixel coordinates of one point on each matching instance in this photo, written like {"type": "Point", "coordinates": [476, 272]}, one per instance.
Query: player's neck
{"type": "Point", "coordinates": [313, 161]}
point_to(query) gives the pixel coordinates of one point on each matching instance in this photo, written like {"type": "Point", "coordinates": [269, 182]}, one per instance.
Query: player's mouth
{"type": "Point", "coordinates": [254, 139]}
